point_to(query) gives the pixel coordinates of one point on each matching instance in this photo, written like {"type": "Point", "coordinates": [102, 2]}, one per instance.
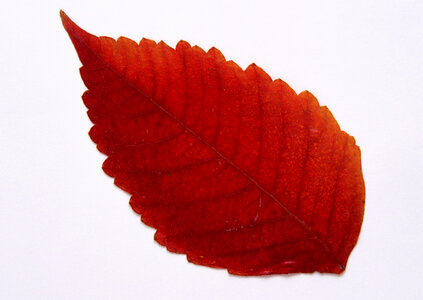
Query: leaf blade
{"type": "Point", "coordinates": [182, 124]}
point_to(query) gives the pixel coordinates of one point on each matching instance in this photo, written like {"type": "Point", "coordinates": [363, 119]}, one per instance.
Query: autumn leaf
{"type": "Point", "coordinates": [233, 169]}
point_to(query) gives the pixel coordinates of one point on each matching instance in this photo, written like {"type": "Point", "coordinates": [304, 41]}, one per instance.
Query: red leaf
{"type": "Point", "coordinates": [233, 169]}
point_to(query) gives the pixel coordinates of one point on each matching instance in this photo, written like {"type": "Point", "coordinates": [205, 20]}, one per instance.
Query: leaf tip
{"type": "Point", "coordinates": [64, 17]}
{"type": "Point", "coordinates": [66, 21]}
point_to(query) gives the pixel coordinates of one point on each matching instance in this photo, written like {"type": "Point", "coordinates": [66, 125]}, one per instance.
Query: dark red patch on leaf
{"type": "Point", "coordinates": [233, 169]}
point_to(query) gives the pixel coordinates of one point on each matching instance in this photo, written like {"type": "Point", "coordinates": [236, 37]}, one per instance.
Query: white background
{"type": "Point", "coordinates": [66, 232]}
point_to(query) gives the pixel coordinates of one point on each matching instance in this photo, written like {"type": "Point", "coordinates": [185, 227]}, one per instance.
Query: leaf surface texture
{"type": "Point", "coordinates": [232, 168]}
